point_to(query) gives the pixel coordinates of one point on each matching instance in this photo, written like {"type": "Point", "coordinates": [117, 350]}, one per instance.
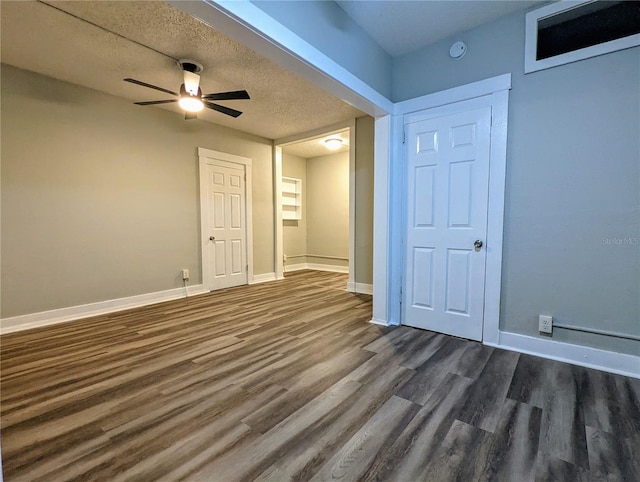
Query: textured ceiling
{"type": "Point", "coordinates": [66, 41]}
{"type": "Point", "coordinates": [400, 27]}
{"type": "Point", "coordinates": [98, 43]}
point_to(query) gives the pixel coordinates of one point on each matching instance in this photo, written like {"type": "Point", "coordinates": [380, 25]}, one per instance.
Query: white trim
{"type": "Point", "coordinates": [245, 161]}
{"type": "Point", "coordinates": [455, 94]}
{"type": "Point", "coordinates": [295, 267]}
{"type": "Point", "coordinates": [352, 202]}
{"type": "Point", "coordinates": [277, 212]}
{"type": "Point", "coordinates": [315, 133]}
{"type": "Point", "coordinates": [317, 267]}
{"type": "Point", "coordinates": [448, 109]}
{"type": "Point", "coordinates": [252, 27]}
{"type": "Point", "coordinates": [623, 364]}
{"type": "Point", "coordinates": [495, 218]}
{"type": "Point", "coordinates": [61, 315]}
{"type": "Point", "coordinates": [362, 288]}
{"type": "Point", "coordinates": [376, 321]}
{"type": "Point", "coordinates": [499, 103]}
{"type": "Point", "coordinates": [531, 40]}
{"type": "Point", "coordinates": [206, 157]}
{"type": "Point", "coordinates": [381, 232]}
{"type": "Point", "coordinates": [397, 213]}
{"type": "Point", "coordinates": [328, 267]}
{"type": "Point", "coordinates": [263, 278]}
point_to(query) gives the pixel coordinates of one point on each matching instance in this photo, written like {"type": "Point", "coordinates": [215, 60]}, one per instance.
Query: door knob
{"type": "Point", "coordinates": [213, 238]}
{"type": "Point", "coordinates": [477, 244]}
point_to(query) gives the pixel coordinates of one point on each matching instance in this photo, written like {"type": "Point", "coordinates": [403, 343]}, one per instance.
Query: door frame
{"type": "Point", "coordinates": [208, 157]}
{"type": "Point", "coordinates": [493, 93]}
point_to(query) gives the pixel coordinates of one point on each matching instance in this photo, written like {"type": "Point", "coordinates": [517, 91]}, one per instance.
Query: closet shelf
{"type": "Point", "coordinates": [291, 198]}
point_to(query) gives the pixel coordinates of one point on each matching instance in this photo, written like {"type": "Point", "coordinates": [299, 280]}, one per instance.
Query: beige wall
{"type": "Point", "coordinates": [328, 208]}
{"type": "Point", "coordinates": [100, 197]}
{"type": "Point", "coordinates": [294, 232]}
{"type": "Point", "coordinates": [364, 200]}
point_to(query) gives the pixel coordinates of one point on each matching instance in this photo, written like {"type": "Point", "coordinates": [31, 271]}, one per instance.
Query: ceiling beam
{"type": "Point", "coordinates": [252, 27]}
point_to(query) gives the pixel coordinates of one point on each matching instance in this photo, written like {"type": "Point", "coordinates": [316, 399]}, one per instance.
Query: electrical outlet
{"type": "Point", "coordinates": [545, 324]}
{"type": "Point", "coordinates": [185, 274]}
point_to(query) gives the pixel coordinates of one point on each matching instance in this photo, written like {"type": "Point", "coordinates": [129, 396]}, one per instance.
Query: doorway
{"type": "Point", "coordinates": [314, 178]}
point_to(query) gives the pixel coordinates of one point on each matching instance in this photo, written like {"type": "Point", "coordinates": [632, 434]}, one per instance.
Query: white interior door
{"type": "Point", "coordinates": [447, 190]}
{"type": "Point", "coordinates": [225, 235]}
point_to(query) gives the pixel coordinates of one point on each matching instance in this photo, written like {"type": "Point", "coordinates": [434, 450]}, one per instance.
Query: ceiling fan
{"type": "Point", "coordinates": [190, 97]}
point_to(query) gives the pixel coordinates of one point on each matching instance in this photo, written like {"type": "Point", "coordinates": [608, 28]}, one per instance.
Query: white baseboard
{"type": "Point", "coordinates": [262, 278]}
{"type": "Point", "coordinates": [362, 288]}
{"type": "Point", "coordinates": [295, 267]}
{"type": "Point", "coordinates": [317, 267]}
{"type": "Point", "coordinates": [376, 321]}
{"type": "Point", "coordinates": [52, 317]}
{"type": "Point", "coordinates": [620, 363]}
{"type": "Point", "coordinates": [328, 267]}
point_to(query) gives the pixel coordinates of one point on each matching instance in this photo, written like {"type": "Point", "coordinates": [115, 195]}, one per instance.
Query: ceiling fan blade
{"type": "Point", "coordinates": [154, 102]}
{"type": "Point", "coordinates": [190, 115]}
{"type": "Point", "coordinates": [234, 95]}
{"type": "Point", "coordinates": [144, 84]}
{"type": "Point", "coordinates": [223, 109]}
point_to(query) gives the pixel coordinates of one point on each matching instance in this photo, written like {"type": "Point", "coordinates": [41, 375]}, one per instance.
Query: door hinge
{"type": "Point", "coordinates": [404, 136]}
{"type": "Point", "coordinates": [247, 268]}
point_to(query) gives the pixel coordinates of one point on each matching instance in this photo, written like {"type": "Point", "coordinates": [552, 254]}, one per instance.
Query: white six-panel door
{"type": "Point", "coordinates": [447, 196]}
{"type": "Point", "coordinates": [225, 237]}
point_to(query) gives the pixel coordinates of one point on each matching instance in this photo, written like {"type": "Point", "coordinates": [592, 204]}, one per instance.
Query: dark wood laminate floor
{"type": "Point", "coordinates": [288, 381]}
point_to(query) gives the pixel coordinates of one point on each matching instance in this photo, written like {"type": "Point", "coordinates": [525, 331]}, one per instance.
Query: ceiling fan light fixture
{"type": "Point", "coordinates": [333, 143]}
{"type": "Point", "coordinates": [191, 103]}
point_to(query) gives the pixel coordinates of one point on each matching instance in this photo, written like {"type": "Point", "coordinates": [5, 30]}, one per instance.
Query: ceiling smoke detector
{"type": "Point", "coordinates": [457, 50]}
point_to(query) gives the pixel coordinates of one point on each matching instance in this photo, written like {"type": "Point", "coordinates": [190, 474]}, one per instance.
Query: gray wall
{"type": "Point", "coordinates": [364, 200]}
{"type": "Point", "coordinates": [100, 197]}
{"type": "Point", "coordinates": [294, 232]}
{"type": "Point", "coordinates": [573, 180]}
{"type": "Point", "coordinates": [329, 29]}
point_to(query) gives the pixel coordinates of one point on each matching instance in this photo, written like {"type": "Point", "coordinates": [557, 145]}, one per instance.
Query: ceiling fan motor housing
{"type": "Point", "coordinates": [190, 71]}
{"type": "Point", "coordinates": [190, 66]}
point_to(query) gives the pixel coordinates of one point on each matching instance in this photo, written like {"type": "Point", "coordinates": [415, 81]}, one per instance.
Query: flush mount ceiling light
{"type": "Point", "coordinates": [333, 143]}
